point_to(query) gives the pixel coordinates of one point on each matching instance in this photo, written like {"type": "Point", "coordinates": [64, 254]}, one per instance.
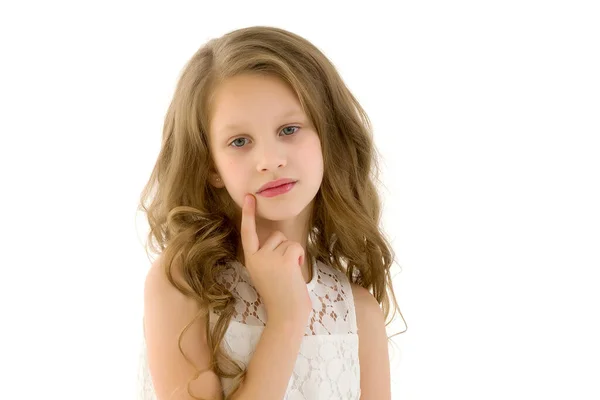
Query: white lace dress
{"type": "Point", "coordinates": [327, 366]}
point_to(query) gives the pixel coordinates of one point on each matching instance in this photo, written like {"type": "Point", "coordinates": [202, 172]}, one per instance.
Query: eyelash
{"type": "Point", "coordinates": [291, 126]}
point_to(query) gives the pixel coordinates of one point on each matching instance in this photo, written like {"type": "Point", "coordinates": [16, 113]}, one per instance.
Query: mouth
{"type": "Point", "coordinates": [278, 182]}
{"type": "Point", "coordinates": [277, 190]}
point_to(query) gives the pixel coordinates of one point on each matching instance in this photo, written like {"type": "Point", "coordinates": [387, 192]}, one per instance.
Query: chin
{"type": "Point", "coordinates": [279, 210]}
{"type": "Point", "coordinates": [282, 212]}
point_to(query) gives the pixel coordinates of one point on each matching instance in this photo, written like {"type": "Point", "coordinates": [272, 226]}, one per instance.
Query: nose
{"type": "Point", "coordinates": [270, 156]}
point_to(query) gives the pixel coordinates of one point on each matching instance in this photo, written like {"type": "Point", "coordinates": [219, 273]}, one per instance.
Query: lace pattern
{"type": "Point", "coordinates": [329, 289]}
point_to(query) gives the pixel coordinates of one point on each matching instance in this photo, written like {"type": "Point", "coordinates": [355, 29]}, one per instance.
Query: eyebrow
{"type": "Point", "coordinates": [288, 114]}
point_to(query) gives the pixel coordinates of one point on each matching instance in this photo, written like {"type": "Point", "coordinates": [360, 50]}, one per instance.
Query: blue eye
{"type": "Point", "coordinates": [236, 141]}
{"type": "Point", "coordinates": [290, 134]}
{"type": "Point", "coordinates": [297, 127]}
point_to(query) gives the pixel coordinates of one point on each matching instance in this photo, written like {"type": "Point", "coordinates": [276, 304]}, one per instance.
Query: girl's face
{"type": "Point", "coordinates": [259, 133]}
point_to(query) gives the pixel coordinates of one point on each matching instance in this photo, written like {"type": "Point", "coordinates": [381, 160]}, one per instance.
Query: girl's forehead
{"type": "Point", "coordinates": [251, 93]}
{"type": "Point", "coordinates": [235, 108]}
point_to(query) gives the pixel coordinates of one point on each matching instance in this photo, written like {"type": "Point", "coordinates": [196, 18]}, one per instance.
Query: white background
{"type": "Point", "coordinates": [487, 115]}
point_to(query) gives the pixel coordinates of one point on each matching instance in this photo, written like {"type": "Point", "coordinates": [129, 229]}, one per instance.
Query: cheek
{"type": "Point", "coordinates": [237, 171]}
{"type": "Point", "coordinates": [226, 164]}
{"type": "Point", "coordinates": [310, 158]}
{"type": "Point", "coordinates": [312, 151]}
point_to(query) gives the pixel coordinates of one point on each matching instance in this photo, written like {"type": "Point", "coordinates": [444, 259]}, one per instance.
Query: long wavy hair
{"type": "Point", "coordinates": [193, 222]}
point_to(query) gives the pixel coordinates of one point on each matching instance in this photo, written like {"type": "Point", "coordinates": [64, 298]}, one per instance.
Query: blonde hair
{"type": "Point", "coordinates": [191, 220]}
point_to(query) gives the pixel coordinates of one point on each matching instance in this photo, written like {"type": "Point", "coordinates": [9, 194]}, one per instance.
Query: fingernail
{"type": "Point", "coordinates": [248, 200]}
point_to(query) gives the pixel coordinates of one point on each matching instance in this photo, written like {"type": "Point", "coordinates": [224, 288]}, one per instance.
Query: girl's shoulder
{"type": "Point", "coordinates": [363, 299]}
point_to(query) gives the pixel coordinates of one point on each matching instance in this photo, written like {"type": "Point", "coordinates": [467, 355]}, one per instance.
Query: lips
{"type": "Point", "coordinates": [273, 187]}
{"type": "Point", "coordinates": [277, 190]}
{"type": "Point", "coordinates": [276, 183]}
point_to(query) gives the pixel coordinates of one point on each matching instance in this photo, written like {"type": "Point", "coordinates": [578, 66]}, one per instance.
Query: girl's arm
{"type": "Point", "coordinates": [372, 346]}
{"type": "Point", "coordinates": [272, 363]}
{"type": "Point", "coordinates": [166, 312]}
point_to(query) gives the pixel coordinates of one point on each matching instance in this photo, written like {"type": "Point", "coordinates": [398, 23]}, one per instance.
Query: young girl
{"type": "Point", "coordinates": [273, 280]}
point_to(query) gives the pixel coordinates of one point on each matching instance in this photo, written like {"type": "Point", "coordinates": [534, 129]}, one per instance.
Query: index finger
{"type": "Point", "coordinates": [248, 226]}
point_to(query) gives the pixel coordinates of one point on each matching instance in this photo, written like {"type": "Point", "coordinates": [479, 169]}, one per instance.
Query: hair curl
{"type": "Point", "coordinates": [194, 222]}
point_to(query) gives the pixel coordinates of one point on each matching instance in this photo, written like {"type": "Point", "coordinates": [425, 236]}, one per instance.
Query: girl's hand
{"type": "Point", "coordinates": [275, 269]}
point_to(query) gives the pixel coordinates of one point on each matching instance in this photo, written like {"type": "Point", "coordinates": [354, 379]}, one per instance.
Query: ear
{"type": "Point", "coordinates": [215, 180]}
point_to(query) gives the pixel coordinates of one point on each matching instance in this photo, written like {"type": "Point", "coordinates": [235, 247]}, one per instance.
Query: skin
{"type": "Point", "coordinates": [266, 145]}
